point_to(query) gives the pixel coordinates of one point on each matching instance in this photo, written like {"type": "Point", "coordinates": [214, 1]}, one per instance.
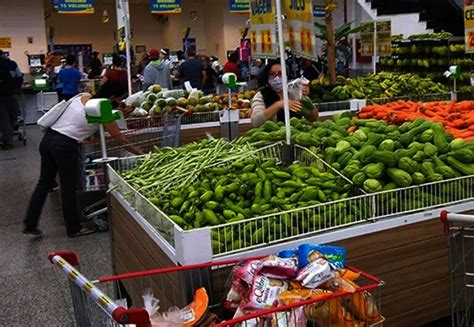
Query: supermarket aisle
{"type": "Point", "coordinates": [33, 292]}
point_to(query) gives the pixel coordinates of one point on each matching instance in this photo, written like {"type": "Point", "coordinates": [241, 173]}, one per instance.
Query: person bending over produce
{"type": "Point", "coordinates": [268, 102]}
{"type": "Point", "coordinates": [59, 150]}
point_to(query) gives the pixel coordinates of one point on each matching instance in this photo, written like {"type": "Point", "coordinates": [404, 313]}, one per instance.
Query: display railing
{"type": "Point", "coordinates": [257, 232]}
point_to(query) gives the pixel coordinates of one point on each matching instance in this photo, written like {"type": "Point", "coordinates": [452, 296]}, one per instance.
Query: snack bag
{"type": "Point", "coordinates": [294, 296]}
{"type": "Point", "coordinates": [237, 289]}
{"type": "Point", "coordinates": [348, 274]}
{"type": "Point", "coordinates": [346, 319]}
{"type": "Point", "coordinates": [334, 254]}
{"type": "Point", "coordinates": [281, 268]}
{"type": "Point", "coordinates": [293, 253]}
{"type": "Point", "coordinates": [264, 293]}
{"type": "Point", "coordinates": [253, 322]}
{"type": "Point", "coordinates": [339, 284]}
{"type": "Point", "coordinates": [363, 306]}
{"type": "Point", "coordinates": [293, 318]}
{"type": "Point", "coordinates": [324, 313]}
{"type": "Point", "coordinates": [317, 272]}
{"type": "Point", "coordinates": [197, 310]}
{"type": "Point", "coordinates": [248, 271]}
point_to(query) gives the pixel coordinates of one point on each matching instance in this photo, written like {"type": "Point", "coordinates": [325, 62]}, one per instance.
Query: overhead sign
{"type": "Point", "coordinates": [239, 6]}
{"type": "Point", "coordinates": [469, 25]}
{"type": "Point", "coordinates": [384, 38]}
{"type": "Point", "coordinates": [5, 42]}
{"type": "Point", "coordinates": [263, 32]}
{"type": "Point", "coordinates": [74, 6]}
{"type": "Point", "coordinates": [301, 35]}
{"type": "Point", "coordinates": [165, 6]}
{"type": "Point", "coordinates": [318, 11]}
{"type": "Point", "coordinates": [367, 41]}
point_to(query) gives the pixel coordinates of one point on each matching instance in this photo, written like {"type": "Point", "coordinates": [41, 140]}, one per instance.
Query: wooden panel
{"type": "Point", "coordinates": [196, 134]}
{"type": "Point", "coordinates": [412, 261]}
{"type": "Point", "coordinates": [244, 128]}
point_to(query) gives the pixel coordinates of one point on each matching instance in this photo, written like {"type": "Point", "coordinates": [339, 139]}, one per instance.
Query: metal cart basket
{"type": "Point", "coordinates": [175, 286]}
{"type": "Point", "coordinates": [459, 229]}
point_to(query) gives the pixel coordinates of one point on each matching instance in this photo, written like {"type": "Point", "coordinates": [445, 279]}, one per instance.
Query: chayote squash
{"type": "Point", "coordinates": [388, 158]}
{"type": "Point", "coordinates": [387, 145]}
{"type": "Point", "coordinates": [408, 165]}
{"type": "Point", "coordinates": [426, 136]}
{"type": "Point", "coordinates": [374, 170]}
{"type": "Point", "coordinates": [399, 177]}
{"type": "Point", "coordinates": [418, 178]}
{"type": "Point", "coordinates": [372, 185]}
{"type": "Point", "coordinates": [342, 146]}
{"type": "Point", "coordinates": [359, 178]}
{"type": "Point", "coordinates": [430, 150]}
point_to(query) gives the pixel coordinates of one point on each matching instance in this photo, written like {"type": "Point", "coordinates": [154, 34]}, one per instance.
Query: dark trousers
{"type": "Point", "coordinates": [8, 117]}
{"type": "Point", "coordinates": [67, 97]}
{"type": "Point", "coordinates": [59, 154]}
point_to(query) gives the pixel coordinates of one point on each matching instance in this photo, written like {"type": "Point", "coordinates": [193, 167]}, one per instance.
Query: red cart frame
{"type": "Point", "coordinates": [88, 298]}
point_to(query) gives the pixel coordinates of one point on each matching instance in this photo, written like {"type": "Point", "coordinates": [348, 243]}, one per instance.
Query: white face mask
{"type": "Point", "coordinates": [276, 83]}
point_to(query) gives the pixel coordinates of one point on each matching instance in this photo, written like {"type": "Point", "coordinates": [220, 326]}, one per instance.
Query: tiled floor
{"type": "Point", "coordinates": [32, 291]}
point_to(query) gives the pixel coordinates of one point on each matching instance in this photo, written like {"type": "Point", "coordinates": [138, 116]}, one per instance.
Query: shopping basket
{"type": "Point", "coordinates": [459, 229]}
{"type": "Point", "coordinates": [144, 133]}
{"type": "Point", "coordinates": [175, 286]}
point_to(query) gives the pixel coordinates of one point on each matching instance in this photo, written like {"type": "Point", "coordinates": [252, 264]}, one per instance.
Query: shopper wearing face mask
{"type": "Point", "coordinates": [268, 102]}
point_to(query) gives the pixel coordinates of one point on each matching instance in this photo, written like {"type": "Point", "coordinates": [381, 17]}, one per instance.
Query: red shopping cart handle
{"type": "Point", "coordinates": [69, 256]}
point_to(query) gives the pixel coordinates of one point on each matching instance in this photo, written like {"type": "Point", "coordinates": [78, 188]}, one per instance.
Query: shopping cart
{"type": "Point", "coordinates": [459, 229]}
{"type": "Point", "coordinates": [175, 287]}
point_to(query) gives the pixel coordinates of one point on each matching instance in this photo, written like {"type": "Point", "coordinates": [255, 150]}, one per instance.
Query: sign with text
{"type": "Point", "coordinates": [367, 41]}
{"type": "Point", "coordinates": [239, 6]}
{"type": "Point", "coordinates": [74, 6]}
{"type": "Point", "coordinates": [165, 6]}
{"type": "Point", "coordinates": [300, 31]}
{"type": "Point", "coordinates": [384, 38]}
{"type": "Point", "coordinates": [469, 25]}
{"type": "Point", "coordinates": [5, 42]}
{"type": "Point", "coordinates": [263, 33]}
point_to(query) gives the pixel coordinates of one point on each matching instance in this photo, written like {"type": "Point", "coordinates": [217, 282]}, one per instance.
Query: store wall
{"type": "Point", "coordinates": [89, 29]}
{"type": "Point", "coordinates": [215, 28]}
{"type": "Point", "coordinates": [19, 20]}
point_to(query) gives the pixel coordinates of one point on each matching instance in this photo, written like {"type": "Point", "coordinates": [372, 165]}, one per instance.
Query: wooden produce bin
{"type": "Point", "coordinates": [411, 258]}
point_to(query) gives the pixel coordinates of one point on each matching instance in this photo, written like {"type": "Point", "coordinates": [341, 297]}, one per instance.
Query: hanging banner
{"type": "Point", "coordinates": [263, 32]}
{"type": "Point", "coordinates": [367, 41]}
{"type": "Point", "coordinates": [239, 6]}
{"type": "Point", "coordinates": [384, 38]}
{"type": "Point", "coordinates": [165, 6]}
{"type": "Point", "coordinates": [469, 25]}
{"type": "Point", "coordinates": [300, 32]}
{"type": "Point", "coordinates": [74, 6]}
{"type": "Point", "coordinates": [5, 42]}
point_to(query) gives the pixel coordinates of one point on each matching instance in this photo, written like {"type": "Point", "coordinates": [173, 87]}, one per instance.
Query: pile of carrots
{"type": "Point", "coordinates": [457, 117]}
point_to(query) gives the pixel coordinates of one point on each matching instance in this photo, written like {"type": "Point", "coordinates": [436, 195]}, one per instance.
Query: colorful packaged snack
{"type": "Point", "coordinates": [281, 268]}
{"type": "Point", "coordinates": [348, 274]}
{"type": "Point", "coordinates": [339, 284]}
{"type": "Point", "coordinates": [334, 254]}
{"type": "Point", "coordinates": [363, 307]}
{"type": "Point", "coordinates": [317, 272]}
{"type": "Point", "coordinates": [248, 271]}
{"type": "Point", "coordinates": [294, 296]}
{"type": "Point", "coordinates": [292, 253]}
{"type": "Point", "coordinates": [293, 318]}
{"type": "Point", "coordinates": [324, 313]}
{"type": "Point", "coordinates": [264, 293]}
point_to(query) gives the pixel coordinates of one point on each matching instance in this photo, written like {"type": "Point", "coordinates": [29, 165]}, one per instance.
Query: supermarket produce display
{"type": "Point", "coordinates": [429, 55]}
{"type": "Point", "coordinates": [155, 102]}
{"type": "Point", "coordinates": [375, 86]}
{"type": "Point", "coordinates": [456, 117]}
{"type": "Point", "coordinates": [245, 192]}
